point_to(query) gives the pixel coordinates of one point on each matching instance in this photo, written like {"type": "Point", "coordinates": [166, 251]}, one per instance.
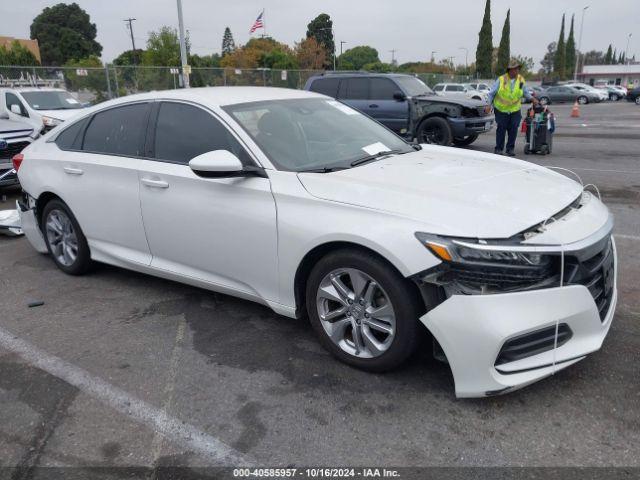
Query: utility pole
{"type": "Point", "coordinates": [342, 42]}
{"type": "Point", "coordinates": [183, 47]}
{"type": "Point", "coordinates": [129, 22]}
{"type": "Point", "coordinates": [393, 56]}
{"type": "Point", "coordinates": [575, 70]}
{"type": "Point", "coordinates": [626, 50]}
{"type": "Point", "coordinates": [433, 56]}
{"type": "Point", "coordinates": [466, 57]}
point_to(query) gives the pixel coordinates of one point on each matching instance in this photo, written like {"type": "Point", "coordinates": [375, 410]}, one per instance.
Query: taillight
{"type": "Point", "coordinates": [17, 161]}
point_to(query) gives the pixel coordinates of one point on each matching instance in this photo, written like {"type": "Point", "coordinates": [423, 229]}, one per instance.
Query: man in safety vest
{"type": "Point", "coordinates": [506, 98]}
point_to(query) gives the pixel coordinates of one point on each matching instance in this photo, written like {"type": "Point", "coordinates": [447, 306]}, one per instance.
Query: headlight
{"type": "Point", "coordinates": [471, 268]}
{"type": "Point", "coordinates": [50, 121]}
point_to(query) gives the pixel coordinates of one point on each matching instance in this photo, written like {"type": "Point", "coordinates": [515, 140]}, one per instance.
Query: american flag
{"type": "Point", "coordinates": [258, 23]}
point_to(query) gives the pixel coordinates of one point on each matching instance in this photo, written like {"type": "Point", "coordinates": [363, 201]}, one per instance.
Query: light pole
{"type": "Point", "coordinates": [575, 70]}
{"type": "Point", "coordinates": [183, 47]}
{"type": "Point", "coordinates": [342, 42]}
{"type": "Point", "coordinates": [433, 58]}
{"type": "Point", "coordinates": [626, 50]}
{"type": "Point", "coordinates": [466, 56]}
{"type": "Point", "coordinates": [393, 56]}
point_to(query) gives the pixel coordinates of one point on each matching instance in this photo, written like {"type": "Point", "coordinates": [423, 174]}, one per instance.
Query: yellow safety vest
{"type": "Point", "coordinates": [507, 99]}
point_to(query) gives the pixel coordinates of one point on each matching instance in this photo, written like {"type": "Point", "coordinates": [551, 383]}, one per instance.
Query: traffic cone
{"type": "Point", "coordinates": [575, 111]}
{"type": "Point", "coordinates": [523, 127]}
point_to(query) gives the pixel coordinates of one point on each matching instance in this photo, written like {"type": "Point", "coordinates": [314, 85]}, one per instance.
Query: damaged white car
{"type": "Point", "coordinates": [299, 202]}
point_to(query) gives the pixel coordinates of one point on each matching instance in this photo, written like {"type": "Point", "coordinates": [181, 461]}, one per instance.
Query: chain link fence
{"type": "Point", "coordinates": [96, 84]}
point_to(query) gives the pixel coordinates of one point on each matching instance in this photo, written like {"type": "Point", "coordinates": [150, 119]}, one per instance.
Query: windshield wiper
{"type": "Point", "coordinates": [322, 170]}
{"type": "Point", "coordinates": [375, 156]}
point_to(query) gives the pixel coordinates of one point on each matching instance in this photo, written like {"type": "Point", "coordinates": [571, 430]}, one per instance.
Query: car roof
{"type": "Point", "coordinates": [218, 96]}
{"type": "Point", "coordinates": [35, 89]}
{"type": "Point", "coordinates": [359, 74]}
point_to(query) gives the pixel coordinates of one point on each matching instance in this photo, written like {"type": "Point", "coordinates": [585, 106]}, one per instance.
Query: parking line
{"type": "Point", "coordinates": [627, 237]}
{"type": "Point", "coordinates": [154, 418]}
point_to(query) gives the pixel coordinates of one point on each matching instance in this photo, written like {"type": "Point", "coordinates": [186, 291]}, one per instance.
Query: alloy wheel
{"type": "Point", "coordinates": [356, 313]}
{"type": "Point", "coordinates": [61, 237]}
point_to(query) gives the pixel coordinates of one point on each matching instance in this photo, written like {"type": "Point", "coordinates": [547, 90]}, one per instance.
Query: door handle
{"type": "Point", "coordinates": [73, 171]}
{"type": "Point", "coordinates": [373, 105]}
{"type": "Point", "coordinates": [154, 183]}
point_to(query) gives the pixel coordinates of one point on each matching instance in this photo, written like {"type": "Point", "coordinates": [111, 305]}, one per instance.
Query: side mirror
{"type": "Point", "coordinates": [15, 108]}
{"type": "Point", "coordinates": [399, 96]}
{"type": "Point", "coordinates": [221, 164]}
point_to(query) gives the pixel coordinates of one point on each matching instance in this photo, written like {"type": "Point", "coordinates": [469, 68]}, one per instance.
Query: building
{"type": "Point", "coordinates": [611, 74]}
{"type": "Point", "coordinates": [31, 45]}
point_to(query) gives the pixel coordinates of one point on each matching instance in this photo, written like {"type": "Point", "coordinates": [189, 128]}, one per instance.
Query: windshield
{"type": "Point", "coordinates": [313, 133]}
{"type": "Point", "coordinates": [413, 86]}
{"type": "Point", "coordinates": [51, 100]}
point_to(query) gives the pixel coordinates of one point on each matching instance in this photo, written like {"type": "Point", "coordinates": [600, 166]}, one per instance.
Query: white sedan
{"type": "Point", "coordinates": [294, 200]}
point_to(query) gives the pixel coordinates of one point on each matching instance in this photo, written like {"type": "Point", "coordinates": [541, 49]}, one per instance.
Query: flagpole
{"type": "Point", "coordinates": [264, 25]}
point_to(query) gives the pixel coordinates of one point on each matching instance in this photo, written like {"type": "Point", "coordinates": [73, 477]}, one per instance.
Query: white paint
{"type": "Point", "coordinates": [173, 429]}
{"type": "Point", "coordinates": [628, 237]}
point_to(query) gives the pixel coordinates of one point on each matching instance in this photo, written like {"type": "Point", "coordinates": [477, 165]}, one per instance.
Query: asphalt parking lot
{"type": "Point", "coordinates": [121, 369]}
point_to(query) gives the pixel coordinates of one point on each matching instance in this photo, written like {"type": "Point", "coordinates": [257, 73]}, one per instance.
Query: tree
{"type": "Point", "coordinates": [94, 81]}
{"type": "Point", "coordinates": [310, 54]}
{"type": "Point", "coordinates": [547, 60]}
{"type": "Point", "coordinates": [228, 45]}
{"type": "Point", "coordinates": [570, 52]}
{"type": "Point", "coordinates": [357, 57]}
{"type": "Point", "coordinates": [163, 48]}
{"type": "Point", "coordinates": [504, 53]}
{"type": "Point", "coordinates": [321, 28]}
{"type": "Point", "coordinates": [526, 62]}
{"type": "Point", "coordinates": [593, 57]}
{"type": "Point", "coordinates": [608, 58]}
{"type": "Point", "coordinates": [560, 59]}
{"type": "Point", "coordinates": [129, 57]}
{"type": "Point", "coordinates": [484, 52]}
{"type": "Point", "coordinates": [65, 32]}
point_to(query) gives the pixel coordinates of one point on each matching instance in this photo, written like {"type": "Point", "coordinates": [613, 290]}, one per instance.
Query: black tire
{"type": "Point", "coordinates": [435, 130]}
{"type": "Point", "coordinates": [402, 295]}
{"type": "Point", "coordinates": [83, 262]}
{"type": "Point", "coordinates": [545, 100]}
{"type": "Point", "coordinates": [464, 141]}
{"type": "Point", "coordinates": [582, 100]}
{"type": "Point", "coordinates": [637, 100]}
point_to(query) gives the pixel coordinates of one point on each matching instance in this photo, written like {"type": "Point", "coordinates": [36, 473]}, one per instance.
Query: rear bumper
{"type": "Point", "coordinates": [463, 127]}
{"type": "Point", "coordinates": [473, 329]}
{"type": "Point", "coordinates": [30, 226]}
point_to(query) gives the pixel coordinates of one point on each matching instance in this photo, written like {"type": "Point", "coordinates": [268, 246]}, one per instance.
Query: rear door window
{"type": "Point", "coordinates": [326, 86]}
{"type": "Point", "coordinates": [117, 131]}
{"type": "Point", "coordinates": [357, 89]}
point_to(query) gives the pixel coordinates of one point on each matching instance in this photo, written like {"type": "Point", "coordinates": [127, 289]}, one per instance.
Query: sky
{"type": "Point", "coordinates": [414, 28]}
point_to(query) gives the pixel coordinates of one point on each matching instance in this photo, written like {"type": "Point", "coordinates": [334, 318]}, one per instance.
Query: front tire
{"type": "Point", "coordinates": [464, 141]}
{"type": "Point", "coordinates": [65, 241]}
{"type": "Point", "coordinates": [435, 130]}
{"type": "Point", "coordinates": [545, 100]}
{"type": "Point", "coordinates": [637, 100]}
{"type": "Point", "coordinates": [582, 100]}
{"type": "Point", "coordinates": [363, 311]}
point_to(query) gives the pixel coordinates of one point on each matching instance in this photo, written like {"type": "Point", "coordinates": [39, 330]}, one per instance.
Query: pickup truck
{"type": "Point", "coordinates": [14, 136]}
{"type": "Point", "coordinates": [406, 105]}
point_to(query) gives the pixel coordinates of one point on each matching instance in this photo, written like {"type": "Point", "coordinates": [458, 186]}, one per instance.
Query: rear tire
{"type": "Point", "coordinates": [435, 130]}
{"type": "Point", "coordinates": [545, 101]}
{"type": "Point", "coordinates": [464, 141]}
{"type": "Point", "coordinates": [65, 241]}
{"type": "Point", "coordinates": [637, 100]}
{"type": "Point", "coordinates": [374, 330]}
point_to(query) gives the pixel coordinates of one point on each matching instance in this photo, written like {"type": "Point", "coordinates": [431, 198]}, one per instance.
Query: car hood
{"type": "Point", "coordinates": [61, 114]}
{"type": "Point", "coordinates": [11, 128]}
{"type": "Point", "coordinates": [465, 102]}
{"type": "Point", "coordinates": [453, 192]}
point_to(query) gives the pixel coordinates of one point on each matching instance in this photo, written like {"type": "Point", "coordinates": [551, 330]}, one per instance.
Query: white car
{"type": "Point", "coordinates": [297, 201]}
{"type": "Point", "coordinates": [481, 87]}
{"type": "Point", "coordinates": [43, 108]}
{"type": "Point", "coordinates": [459, 90]}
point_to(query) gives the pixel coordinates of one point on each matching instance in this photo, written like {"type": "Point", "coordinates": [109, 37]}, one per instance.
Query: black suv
{"type": "Point", "coordinates": [407, 106]}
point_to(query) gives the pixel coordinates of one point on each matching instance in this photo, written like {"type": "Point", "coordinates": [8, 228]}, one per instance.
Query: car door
{"type": "Point", "coordinates": [219, 231]}
{"type": "Point", "coordinates": [96, 174]}
{"type": "Point", "coordinates": [354, 91]}
{"type": "Point", "coordinates": [391, 112]}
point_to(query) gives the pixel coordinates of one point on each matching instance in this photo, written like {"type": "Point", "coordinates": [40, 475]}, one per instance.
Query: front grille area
{"type": "Point", "coordinates": [596, 273]}
{"type": "Point", "coordinates": [533, 343]}
{"type": "Point", "coordinates": [12, 149]}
